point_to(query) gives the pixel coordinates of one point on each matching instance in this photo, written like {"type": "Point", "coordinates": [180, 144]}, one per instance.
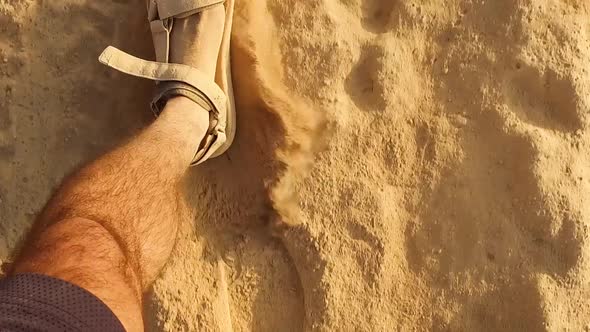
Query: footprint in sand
{"type": "Point", "coordinates": [365, 82]}
{"type": "Point", "coordinates": [377, 15]}
{"type": "Point", "coordinates": [545, 100]}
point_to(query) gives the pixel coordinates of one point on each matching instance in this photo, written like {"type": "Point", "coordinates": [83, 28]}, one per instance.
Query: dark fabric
{"type": "Point", "coordinates": [33, 302]}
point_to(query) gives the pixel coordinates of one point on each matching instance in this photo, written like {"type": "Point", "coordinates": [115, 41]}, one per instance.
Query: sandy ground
{"type": "Point", "coordinates": [450, 144]}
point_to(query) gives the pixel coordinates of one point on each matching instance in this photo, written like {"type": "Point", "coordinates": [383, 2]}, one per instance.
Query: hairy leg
{"type": "Point", "coordinates": [111, 227]}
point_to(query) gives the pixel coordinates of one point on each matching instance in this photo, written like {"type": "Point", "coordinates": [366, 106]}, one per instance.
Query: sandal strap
{"type": "Point", "coordinates": [196, 86]}
{"type": "Point", "coordinates": [157, 71]}
{"type": "Point", "coordinates": [170, 89]}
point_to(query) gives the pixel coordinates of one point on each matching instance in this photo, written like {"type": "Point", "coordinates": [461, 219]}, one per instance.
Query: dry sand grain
{"type": "Point", "coordinates": [450, 145]}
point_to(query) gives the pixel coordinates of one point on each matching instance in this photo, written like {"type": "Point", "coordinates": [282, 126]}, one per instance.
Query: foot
{"type": "Point", "coordinates": [195, 41]}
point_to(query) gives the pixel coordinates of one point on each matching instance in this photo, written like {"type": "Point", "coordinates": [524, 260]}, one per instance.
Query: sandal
{"type": "Point", "coordinates": [183, 80]}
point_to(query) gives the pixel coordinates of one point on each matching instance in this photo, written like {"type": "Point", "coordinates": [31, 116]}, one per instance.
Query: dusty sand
{"type": "Point", "coordinates": [399, 165]}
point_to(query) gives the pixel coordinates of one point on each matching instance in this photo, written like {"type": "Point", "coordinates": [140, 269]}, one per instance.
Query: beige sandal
{"type": "Point", "coordinates": [183, 80]}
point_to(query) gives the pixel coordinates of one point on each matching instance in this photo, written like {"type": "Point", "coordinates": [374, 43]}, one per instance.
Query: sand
{"type": "Point", "coordinates": [399, 165]}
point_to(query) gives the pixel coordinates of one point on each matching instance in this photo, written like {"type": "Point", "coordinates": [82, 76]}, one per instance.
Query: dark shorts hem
{"type": "Point", "coordinates": [34, 302]}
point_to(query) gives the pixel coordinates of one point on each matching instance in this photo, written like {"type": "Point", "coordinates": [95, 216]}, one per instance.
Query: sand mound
{"type": "Point", "coordinates": [450, 194]}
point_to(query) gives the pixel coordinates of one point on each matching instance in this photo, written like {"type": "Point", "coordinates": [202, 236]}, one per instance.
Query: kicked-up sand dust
{"type": "Point", "coordinates": [399, 165]}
